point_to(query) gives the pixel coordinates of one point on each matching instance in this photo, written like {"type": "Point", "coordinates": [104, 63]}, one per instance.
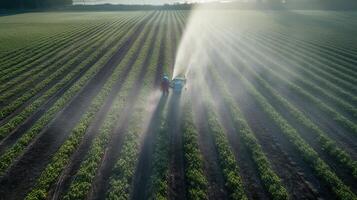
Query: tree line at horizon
{"type": "Point", "coordinates": [32, 4]}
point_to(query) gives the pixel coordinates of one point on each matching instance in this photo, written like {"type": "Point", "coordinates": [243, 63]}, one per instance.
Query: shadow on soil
{"type": "Point", "coordinates": [144, 168]}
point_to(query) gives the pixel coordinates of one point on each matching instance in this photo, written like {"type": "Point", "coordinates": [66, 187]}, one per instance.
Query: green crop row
{"type": "Point", "coordinates": [9, 126]}
{"type": "Point", "coordinates": [81, 183]}
{"type": "Point", "coordinates": [13, 65]}
{"type": "Point", "coordinates": [73, 62]}
{"type": "Point", "coordinates": [40, 42]}
{"type": "Point", "coordinates": [197, 184]}
{"type": "Point", "coordinates": [269, 178]}
{"type": "Point", "coordinates": [320, 167]}
{"type": "Point", "coordinates": [124, 168]}
{"type": "Point", "coordinates": [14, 55]}
{"type": "Point", "coordinates": [326, 143]}
{"type": "Point", "coordinates": [314, 63]}
{"type": "Point", "coordinates": [63, 155]}
{"type": "Point", "coordinates": [37, 52]}
{"type": "Point", "coordinates": [21, 72]}
{"type": "Point", "coordinates": [337, 63]}
{"type": "Point", "coordinates": [48, 72]}
{"type": "Point", "coordinates": [288, 52]}
{"type": "Point", "coordinates": [328, 47]}
{"type": "Point", "coordinates": [7, 158]}
{"type": "Point", "coordinates": [227, 160]}
{"type": "Point", "coordinates": [318, 103]}
{"type": "Point", "coordinates": [313, 89]}
{"type": "Point", "coordinates": [308, 72]}
{"type": "Point", "coordinates": [158, 187]}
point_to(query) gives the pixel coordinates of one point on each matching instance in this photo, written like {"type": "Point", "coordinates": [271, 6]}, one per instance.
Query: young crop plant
{"type": "Point", "coordinates": [69, 66]}
{"type": "Point", "coordinates": [10, 125]}
{"type": "Point", "coordinates": [35, 67]}
{"type": "Point", "coordinates": [124, 169]}
{"type": "Point", "coordinates": [33, 63]}
{"type": "Point", "coordinates": [10, 154]}
{"type": "Point", "coordinates": [37, 52]}
{"type": "Point", "coordinates": [317, 75]}
{"type": "Point", "coordinates": [328, 65]}
{"type": "Point", "coordinates": [227, 160]}
{"type": "Point", "coordinates": [158, 187]}
{"type": "Point", "coordinates": [337, 117]}
{"type": "Point", "coordinates": [327, 143]}
{"type": "Point", "coordinates": [82, 180]}
{"type": "Point", "coordinates": [320, 167]}
{"type": "Point", "coordinates": [283, 50]}
{"type": "Point", "coordinates": [313, 89]}
{"type": "Point", "coordinates": [269, 178]}
{"type": "Point", "coordinates": [62, 157]}
{"type": "Point", "coordinates": [197, 184]}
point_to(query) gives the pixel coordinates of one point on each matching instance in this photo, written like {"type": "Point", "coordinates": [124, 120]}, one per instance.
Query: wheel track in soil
{"type": "Point", "coordinates": [337, 167]}
{"type": "Point", "coordinates": [253, 185]}
{"type": "Point", "coordinates": [65, 179]}
{"type": "Point", "coordinates": [41, 43]}
{"type": "Point", "coordinates": [112, 152]}
{"type": "Point", "coordinates": [44, 77]}
{"type": "Point", "coordinates": [176, 177]}
{"type": "Point", "coordinates": [176, 173]}
{"type": "Point", "coordinates": [31, 120]}
{"type": "Point", "coordinates": [297, 177]}
{"type": "Point", "coordinates": [310, 139]}
{"type": "Point", "coordinates": [301, 67]}
{"type": "Point", "coordinates": [212, 170]}
{"type": "Point", "coordinates": [17, 55]}
{"type": "Point", "coordinates": [28, 64]}
{"type": "Point", "coordinates": [43, 91]}
{"type": "Point", "coordinates": [78, 41]}
{"type": "Point", "coordinates": [342, 173]}
{"type": "Point", "coordinates": [37, 156]}
{"type": "Point", "coordinates": [48, 42]}
{"type": "Point", "coordinates": [333, 129]}
{"type": "Point", "coordinates": [144, 166]}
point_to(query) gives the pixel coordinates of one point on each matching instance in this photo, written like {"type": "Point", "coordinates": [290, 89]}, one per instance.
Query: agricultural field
{"type": "Point", "coordinates": [268, 111]}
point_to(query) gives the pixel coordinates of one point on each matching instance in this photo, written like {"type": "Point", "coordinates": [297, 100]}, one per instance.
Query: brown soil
{"type": "Point", "coordinates": [23, 173]}
{"type": "Point", "coordinates": [176, 182]}
{"type": "Point", "coordinates": [101, 181]}
{"type": "Point", "coordinates": [253, 185]}
{"type": "Point", "coordinates": [76, 39]}
{"type": "Point", "coordinates": [30, 121]}
{"type": "Point", "coordinates": [297, 176]}
{"type": "Point", "coordinates": [313, 141]}
{"type": "Point", "coordinates": [144, 168]}
{"type": "Point", "coordinates": [212, 169]}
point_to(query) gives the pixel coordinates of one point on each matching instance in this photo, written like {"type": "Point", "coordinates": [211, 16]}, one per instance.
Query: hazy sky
{"type": "Point", "coordinates": [135, 1]}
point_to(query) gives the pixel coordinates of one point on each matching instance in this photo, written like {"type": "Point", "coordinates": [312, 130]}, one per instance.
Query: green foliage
{"type": "Point", "coordinates": [62, 157]}
{"type": "Point", "coordinates": [88, 168]}
{"type": "Point", "coordinates": [10, 154]}
{"type": "Point", "coordinates": [320, 167]}
{"type": "Point", "coordinates": [269, 178]}
{"type": "Point", "coordinates": [196, 181]}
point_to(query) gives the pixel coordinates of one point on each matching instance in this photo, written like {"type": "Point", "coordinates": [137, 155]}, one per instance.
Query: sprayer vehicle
{"type": "Point", "coordinates": [176, 84]}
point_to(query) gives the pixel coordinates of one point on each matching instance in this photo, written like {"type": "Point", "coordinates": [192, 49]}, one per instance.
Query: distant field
{"type": "Point", "coordinates": [268, 111]}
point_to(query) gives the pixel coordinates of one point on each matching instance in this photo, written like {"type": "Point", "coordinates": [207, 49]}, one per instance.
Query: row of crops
{"type": "Point", "coordinates": [267, 115]}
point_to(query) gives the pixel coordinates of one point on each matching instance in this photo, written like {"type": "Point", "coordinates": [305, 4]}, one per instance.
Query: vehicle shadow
{"type": "Point", "coordinates": [143, 170]}
{"type": "Point", "coordinates": [176, 166]}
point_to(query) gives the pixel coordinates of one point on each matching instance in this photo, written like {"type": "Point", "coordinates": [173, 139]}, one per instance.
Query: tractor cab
{"type": "Point", "coordinates": [178, 83]}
